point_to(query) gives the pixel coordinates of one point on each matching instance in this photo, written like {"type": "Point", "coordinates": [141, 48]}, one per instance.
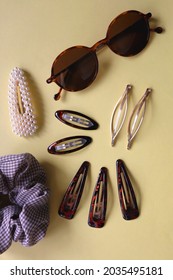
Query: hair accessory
{"type": "Point", "coordinates": [77, 67]}
{"type": "Point", "coordinates": [120, 111]}
{"type": "Point", "coordinates": [69, 145]}
{"type": "Point", "coordinates": [76, 119]}
{"type": "Point", "coordinates": [137, 117]}
{"type": "Point", "coordinates": [126, 193]}
{"type": "Point", "coordinates": [22, 118]}
{"type": "Point", "coordinates": [24, 211]}
{"type": "Point", "coordinates": [97, 212]}
{"type": "Point", "coordinates": [73, 193]}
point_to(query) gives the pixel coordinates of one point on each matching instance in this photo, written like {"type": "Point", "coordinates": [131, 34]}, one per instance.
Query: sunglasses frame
{"type": "Point", "coordinates": [98, 46]}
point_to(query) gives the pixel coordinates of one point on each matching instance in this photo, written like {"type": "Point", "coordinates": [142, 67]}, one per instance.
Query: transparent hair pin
{"type": "Point", "coordinates": [137, 117]}
{"type": "Point", "coordinates": [119, 114]}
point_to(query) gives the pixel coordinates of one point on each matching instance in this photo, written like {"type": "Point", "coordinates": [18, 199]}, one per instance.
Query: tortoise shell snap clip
{"type": "Point", "coordinates": [126, 193]}
{"type": "Point", "coordinates": [76, 119]}
{"type": "Point", "coordinates": [73, 193]}
{"type": "Point", "coordinates": [69, 144]}
{"type": "Point", "coordinates": [97, 211]}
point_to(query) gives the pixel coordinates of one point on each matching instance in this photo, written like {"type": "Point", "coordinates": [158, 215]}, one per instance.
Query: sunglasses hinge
{"type": "Point", "coordinates": [148, 15]}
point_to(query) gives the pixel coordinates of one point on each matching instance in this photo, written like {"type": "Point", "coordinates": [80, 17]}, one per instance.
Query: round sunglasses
{"type": "Point", "coordinates": [77, 67]}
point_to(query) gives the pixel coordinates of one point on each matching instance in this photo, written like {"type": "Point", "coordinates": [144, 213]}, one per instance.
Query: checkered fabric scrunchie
{"type": "Point", "coordinates": [24, 214]}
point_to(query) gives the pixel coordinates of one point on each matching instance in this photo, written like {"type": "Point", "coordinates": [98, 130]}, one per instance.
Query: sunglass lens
{"type": "Point", "coordinates": [129, 33]}
{"type": "Point", "coordinates": [75, 68]}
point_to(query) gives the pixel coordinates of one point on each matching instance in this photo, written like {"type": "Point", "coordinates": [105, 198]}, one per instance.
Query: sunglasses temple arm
{"type": "Point", "coordinates": [157, 30]}
{"type": "Point", "coordinates": [57, 96]}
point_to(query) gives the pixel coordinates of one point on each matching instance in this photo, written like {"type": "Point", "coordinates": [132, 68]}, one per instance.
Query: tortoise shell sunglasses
{"type": "Point", "coordinates": [77, 67]}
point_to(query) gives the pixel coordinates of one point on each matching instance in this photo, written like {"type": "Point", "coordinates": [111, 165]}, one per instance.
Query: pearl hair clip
{"type": "Point", "coordinates": [22, 118]}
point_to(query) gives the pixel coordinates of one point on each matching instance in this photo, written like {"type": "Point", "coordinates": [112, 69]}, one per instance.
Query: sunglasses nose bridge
{"type": "Point", "coordinates": [99, 45]}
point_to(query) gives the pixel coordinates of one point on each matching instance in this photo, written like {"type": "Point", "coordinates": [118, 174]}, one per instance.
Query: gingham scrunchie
{"type": "Point", "coordinates": [24, 214]}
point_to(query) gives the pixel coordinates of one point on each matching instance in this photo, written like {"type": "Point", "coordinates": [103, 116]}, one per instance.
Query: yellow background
{"type": "Point", "coordinates": [32, 34]}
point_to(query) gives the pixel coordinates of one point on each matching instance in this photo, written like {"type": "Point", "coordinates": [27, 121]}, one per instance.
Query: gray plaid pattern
{"type": "Point", "coordinates": [25, 217]}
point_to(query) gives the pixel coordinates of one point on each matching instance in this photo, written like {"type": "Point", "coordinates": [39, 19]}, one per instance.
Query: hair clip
{"type": "Point", "coordinates": [21, 113]}
{"type": "Point", "coordinates": [137, 117]}
{"type": "Point", "coordinates": [120, 110]}
{"type": "Point", "coordinates": [126, 193]}
{"type": "Point", "coordinates": [69, 145]}
{"type": "Point", "coordinates": [76, 119]}
{"type": "Point", "coordinates": [97, 212]}
{"type": "Point", "coordinates": [73, 193]}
